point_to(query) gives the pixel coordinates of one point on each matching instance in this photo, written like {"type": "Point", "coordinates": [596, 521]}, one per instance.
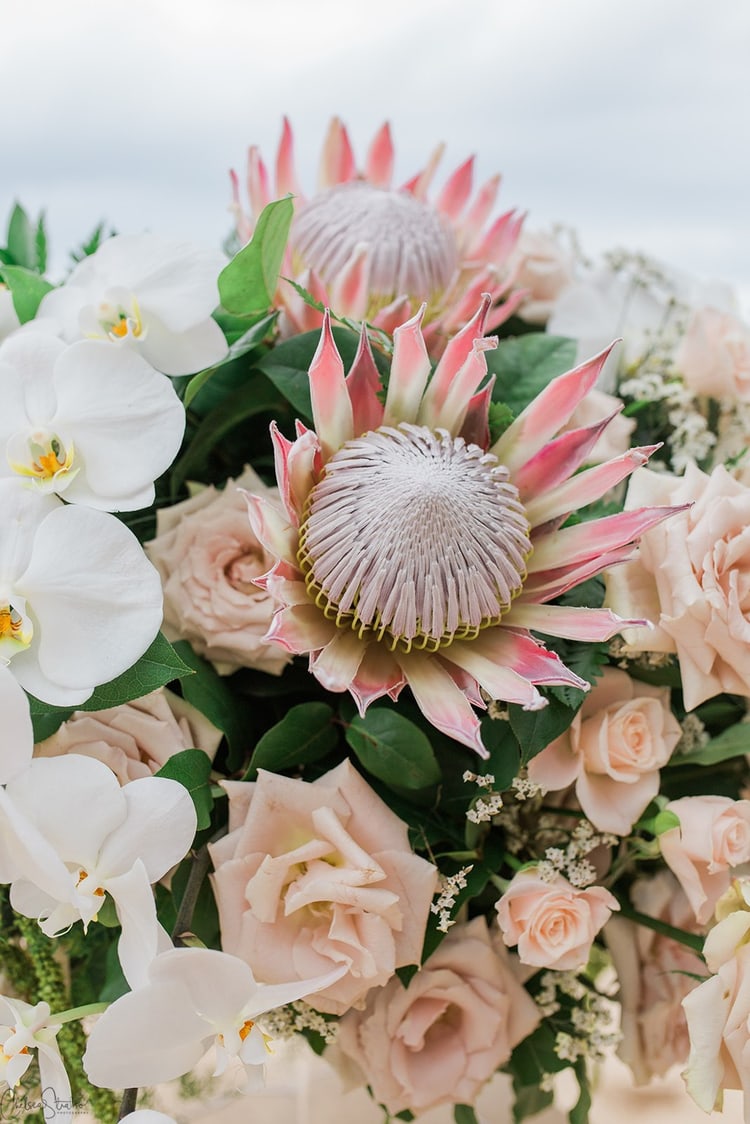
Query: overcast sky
{"type": "Point", "coordinates": [624, 118]}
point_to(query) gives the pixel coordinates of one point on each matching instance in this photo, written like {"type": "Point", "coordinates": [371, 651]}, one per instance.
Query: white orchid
{"type": "Point", "coordinates": [8, 317]}
{"type": "Point", "coordinates": [79, 601]}
{"type": "Point", "coordinates": [24, 1028]}
{"type": "Point", "coordinates": [69, 835]}
{"type": "Point", "coordinates": [17, 736]}
{"type": "Point", "coordinates": [91, 422]}
{"type": "Point", "coordinates": [195, 998]}
{"type": "Point", "coordinates": [145, 292]}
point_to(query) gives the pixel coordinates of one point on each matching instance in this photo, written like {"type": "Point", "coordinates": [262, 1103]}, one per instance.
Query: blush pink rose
{"type": "Point", "coordinates": [714, 355]}
{"type": "Point", "coordinates": [438, 1040]}
{"type": "Point", "coordinates": [712, 841]}
{"type": "Point", "coordinates": [542, 266]}
{"type": "Point", "coordinates": [655, 974]}
{"type": "Point", "coordinates": [208, 557]}
{"type": "Point", "coordinates": [692, 579]}
{"type": "Point", "coordinates": [612, 751]}
{"type": "Point", "coordinates": [136, 738]}
{"type": "Point", "coordinates": [313, 875]}
{"type": "Point", "coordinates": [553, 923]}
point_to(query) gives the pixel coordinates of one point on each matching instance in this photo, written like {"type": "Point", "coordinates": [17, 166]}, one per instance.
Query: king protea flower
{"type": "Point", "coordinates": [372, 251]}
{"type": "Point", "coordinates": [414, 552]}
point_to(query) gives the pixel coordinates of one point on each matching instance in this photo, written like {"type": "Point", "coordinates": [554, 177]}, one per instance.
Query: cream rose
{"type": "Point", "coordinates": [655, 973]}
{"type": "Point", "coordinates": [714, 355]}
{"type": "Point", "coordinates": [553, 923]}
{"type": "Point", "coordinates": [613, 750]}
{"type": "Point", "coordinates": [544, 267]}
{"type": "Point", "coordinates": [718, 1018]}
{"type": "Point", "coordinates": [313, 875]}
{"type": "Point", "coordinates": [692, 579]}
{"type": "Point", "coordinates": [208, 558]}
{"type": "Point", "coordinates": [136, 738]}
{"type": "Point", "coordinates": [440, 1039]}
{"type": "Point", "coordinates": [713, 839]}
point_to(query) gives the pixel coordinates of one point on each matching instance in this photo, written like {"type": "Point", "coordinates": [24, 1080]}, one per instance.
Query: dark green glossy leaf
{"type": "Point", "coordinates": [246, 342]}
{"type": "Point", "coordinates": [287, 365]}
{"type": "Point", "coordinates": [525, 364]}
{"type": "Point", "coordinates": [305, 733]}
{"type": "Point", "coordinates": [209, 693]}
{"type": "Point", "coordinates": [192, 768]}
{"type": "Point", "coordinates": [248, 283]}
{"type": "Point", "coordinates": [464, 1114]}
{"type": "Point", "coordinates": [535, 729]}
{"type": "Point", "coordinates": [393, 749]}
{"type": "Point", "coordinates": [734, 742]}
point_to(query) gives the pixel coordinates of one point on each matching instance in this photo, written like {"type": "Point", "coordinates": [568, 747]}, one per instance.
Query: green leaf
{"type": "Point", "coordinates": [40, 244]}
{"type": "Point", "coordinates": [529, 1101]}
{"type": "Point", "coordinates": [248, 283]}
{"type": "Point", "coordinates": [535, 729]}
{"type": "Point", "coordinates": [665, 821]}
{"type": "Point", "coordinates": [525, 364]}
{"type": "Point", "coordinates": [209, 693]}
{"type": "Point", "coordinates": [287, 365]}
{"type": "Point", "coordinates": [305, 733]}
{"type": "Point", "coordinates": [246, 342]}
{"type": "Point", "coordinates": [504, 761]}
{"type": "Point", "coordinates": [243, 403]}
{"type": "Point", "coordinates": [22, 239]}
{"type": "Point", "coordinates": [734, 742]}
{"type": "Point", "coordinates": [192, 768]}
{"type": "Point", "coordinates": [464, 1114]}
{"type": "Point", "coordinates": [393, 749]}
{"type": "Point", "coordinates": [158, 666]}
{"type": "Point", "coordinates": [27, 289]}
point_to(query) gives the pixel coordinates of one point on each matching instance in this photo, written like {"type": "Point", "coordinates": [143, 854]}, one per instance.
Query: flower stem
{"type": "Point", "coordinates": [690, 940]}
{"type": "Point", "coordinates": [77, 1013]}
{"type": "Point", "coordinates": [128, 1103]}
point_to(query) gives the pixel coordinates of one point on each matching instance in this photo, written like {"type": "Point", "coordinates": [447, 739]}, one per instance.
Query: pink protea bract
{"type": "Point", "coordinates": [413, 552]}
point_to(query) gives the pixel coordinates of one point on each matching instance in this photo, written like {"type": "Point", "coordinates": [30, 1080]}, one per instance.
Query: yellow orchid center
{"type": "Point", "coordinates": [120, 323]}
{"type": "Point", "coordinates": [16, 631]}
{"type": "Point", "coordinates": [49, 458]}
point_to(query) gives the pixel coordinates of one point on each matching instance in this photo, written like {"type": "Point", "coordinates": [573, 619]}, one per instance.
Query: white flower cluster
{"type": "Point", "coordinates": [694, 735]}
{"type": "Point", "coordinates": [483, 810]}
{"type": "Point", "coordinates": [571, 860]}
{"type": "Point", "coordinates": [296, 1018]}
{"type": "Point", "coordinates": [450, 886]}
{"type": "Point", "coordinates": [525, 789]}
{"type": "Point", "coordinates": [591, 1017]}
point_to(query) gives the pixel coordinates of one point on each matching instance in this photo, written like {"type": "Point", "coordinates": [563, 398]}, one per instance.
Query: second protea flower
{"type": "Point", "coordinates": [374, 251]}
{"type": "Point", "coordinates": [413, 551]}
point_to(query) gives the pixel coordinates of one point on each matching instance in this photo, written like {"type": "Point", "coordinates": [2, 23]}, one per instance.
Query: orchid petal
{"type": "Point", "coordinates": [158, 830]}
{"type": "Point", "coordinates": [97, 599]}
{"type": "Point", "coordinates": [17, 740]}
{"type": "Point", "coordinates": [182, 353]}
{"type": "Point", "coordinates": [136, 911]}
{"type": "Point", "coordinates": [145, 1037]}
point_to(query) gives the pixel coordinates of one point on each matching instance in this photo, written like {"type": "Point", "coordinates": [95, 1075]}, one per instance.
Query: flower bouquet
{"type": "Point", "coordinates": [360, 682]}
